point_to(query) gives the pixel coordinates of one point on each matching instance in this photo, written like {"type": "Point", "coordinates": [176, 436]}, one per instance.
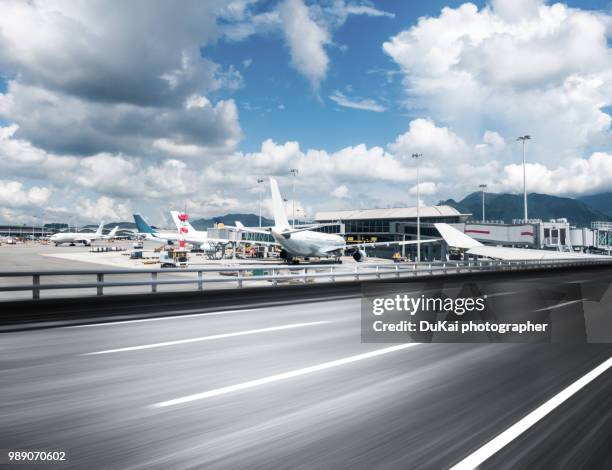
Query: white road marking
{"type": "Point", "coordinates": [283, 376]}
{"type": "Point", "coordinates": [178, 316]}
{"type": "Point", "coordinates": [499, 294]}
{"type": "Point", "coordinates": [579, 281]}
{"type": "Point", "coordinates": [562, 304]}
{"type": "Point", "coordinates": [206, 338]}
{"type": "Point", "coordinates": [493, 446]}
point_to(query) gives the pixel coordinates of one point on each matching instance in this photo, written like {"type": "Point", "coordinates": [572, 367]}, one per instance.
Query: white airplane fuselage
{"type": "Point", "coordinates": [85, 239]}
{"type": "Point", "coordinates": [310, 243]}
{"type": "Point", "coordinates": [199, 239]}
{"type": "Point", "coordinates": [160, 237]}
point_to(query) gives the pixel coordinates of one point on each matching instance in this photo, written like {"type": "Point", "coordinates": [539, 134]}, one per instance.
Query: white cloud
{"type": "Point", "coordinates": [426, 188]}
{"type": "Point", "coordinates": [306, 40]}
{"type": "Point", "coordinates": [104, 208]}
{"type": "Point", "coordinates": [69, 125]}
{"type": "Point", "coordinates": [435, 143]}
{"type": "Point", "coordinates": [316, 167]}
{"type": "Point", "coordinates": [106, 53]}
{"type": "Point", "coordinates": [512, 68]}
{"type": "Point", "coordinates": [580, 176]}
{"type": "Point", "coordinates": [356, 103]}
{"type": "Point", "coordinates": [112, 88]}
{"type": "Point", "coordinates": [493, 141]}
{"type": "Point", "coordinates": [13, 194]}
{"type": "Point", "coordinates": [367, 10]}
{"type": "Point", "coordinates": [341, 192]}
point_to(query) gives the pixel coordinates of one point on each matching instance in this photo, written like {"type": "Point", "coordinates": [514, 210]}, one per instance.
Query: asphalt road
{"type": "Point", "coordinates": [292, 386]}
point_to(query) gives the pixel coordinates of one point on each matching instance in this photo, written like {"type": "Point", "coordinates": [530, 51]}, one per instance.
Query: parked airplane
{"type": "Point", "coordinates": [77, 237]}
{"type": "Point", "coordinates": [201, 237]}
{"type": "Point", "coordinates": [456, 239]}
{"type": "Point", "coordinates": [149, 233]}
{"type": "Point", "coordinates": [306, 242]}
{"type": "Point", "coordinates": [112, 234]}
{"type": "Point", "coordinates": [195, 237]}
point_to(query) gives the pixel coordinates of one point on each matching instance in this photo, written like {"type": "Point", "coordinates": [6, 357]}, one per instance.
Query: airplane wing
{"type": "Point", "coordinates": [516, 254]}
{"type": "Point", "coordinates": [456, 239]}
{"type": "Point", "coordinates": [305, 228]}
{"type": "Point", "coordinates": [240, 227]}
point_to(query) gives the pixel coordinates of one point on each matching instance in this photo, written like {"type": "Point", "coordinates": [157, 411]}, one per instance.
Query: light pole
{"type": "Point", "coordinates": [524, 138]}
{"type": "Point", "coordinates": [483, 187]}
{"type": "Point", "coordinates": [416, 156]}
{"type": "Point", "coordinates": [259, 181]}
{"type": "Point", "coordinates": [294, 172]}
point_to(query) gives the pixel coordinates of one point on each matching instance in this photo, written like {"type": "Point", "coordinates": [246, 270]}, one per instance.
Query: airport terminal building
{"type": "Point", "coordinates": [379, 225]}
{"type": "Point", "coordinates": [395, 224]}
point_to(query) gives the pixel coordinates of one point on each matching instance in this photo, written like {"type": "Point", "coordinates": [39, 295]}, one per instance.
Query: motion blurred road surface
{"type": "Point", "coordinates": [292, 386]}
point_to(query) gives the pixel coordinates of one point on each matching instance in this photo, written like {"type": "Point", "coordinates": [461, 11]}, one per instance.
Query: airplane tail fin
{"type": "Point", "coordinates": [455, 238]}
{"type": "Point", "coordinates": [113, 232]}
{"type": "Point", "coordinates": [280, 217]}
{"type": "Point", "coordinates": [100, 229]}
{"type": "Point", "coordinates": [179, 224]}
{"type": "Point", "coordinates": [239, 225]}
{"type": "Point", "coordinates": [142, 225]}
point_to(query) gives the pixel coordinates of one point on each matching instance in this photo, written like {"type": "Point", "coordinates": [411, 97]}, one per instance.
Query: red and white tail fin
{"type": "Point", "coordinates": [183, 226]}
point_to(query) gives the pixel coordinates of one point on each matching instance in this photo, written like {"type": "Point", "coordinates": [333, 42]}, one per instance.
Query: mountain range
{"type": "Point", "coordinates": [601, 202]}
{"type": "Point", "coordinates": [249, 220]}
{"type": "Point", "coordinates": [579, 212]}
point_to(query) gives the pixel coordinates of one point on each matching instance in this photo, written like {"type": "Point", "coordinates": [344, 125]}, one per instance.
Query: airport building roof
{"type": "Point", "coordinates": [393, 213]}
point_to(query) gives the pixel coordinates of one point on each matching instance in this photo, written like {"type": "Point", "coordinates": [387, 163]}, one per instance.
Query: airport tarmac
{"type": "Point", "coordinates": [36, 256]}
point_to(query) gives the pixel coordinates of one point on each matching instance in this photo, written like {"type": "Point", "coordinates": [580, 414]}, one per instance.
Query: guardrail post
{"type": "Point", "coordinates": [35, 286]}
{"type": "Point", "coordinates": [239, 278]}
{"type": "Point", "coordinates": [430, 269]}
{"type": "Point", "coordinates": [357, 273]}
{"type": "Point", "coordinates": [100, 288]}
{"type": "Point", "coordinates": [153, 282]}
{"type": "Point", "coordinates": [305, 275]}
{"type": "Point", "coordinates": [397, 271]}
{"type": "Point", "coordinates": [274, 281]}
{"type": "Point", "coordinates": [200, 281]}
{"type": "Point", "coordinates": [377, 272]}
{"type": "Point", "coordinates": [331, 272]}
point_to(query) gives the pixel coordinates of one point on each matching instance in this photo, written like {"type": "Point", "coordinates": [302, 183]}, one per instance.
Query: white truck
{"type": "Point", "coordinates": [173, 259]}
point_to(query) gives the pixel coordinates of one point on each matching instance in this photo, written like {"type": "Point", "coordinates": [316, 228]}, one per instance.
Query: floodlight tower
{"type": "Point", "coordinates": [523, 139]}
{"type": "Point", "coordinates": [259, 181]}
{"type": "Point", "coordinates": [483, 187]}
{"type": "Point", "coordinates": [416, 157]}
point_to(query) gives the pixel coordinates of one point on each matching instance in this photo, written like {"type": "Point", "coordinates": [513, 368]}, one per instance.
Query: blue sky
{"type": "Point", "coordinates": [357, 70]}
{"type": "Point", "coordinates": [146, 107]}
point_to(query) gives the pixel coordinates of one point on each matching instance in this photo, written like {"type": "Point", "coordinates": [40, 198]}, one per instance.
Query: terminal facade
{"type": "Point", "coordinates": [395, 224]}
{"type": "Point", "coordinates": [372, 225]}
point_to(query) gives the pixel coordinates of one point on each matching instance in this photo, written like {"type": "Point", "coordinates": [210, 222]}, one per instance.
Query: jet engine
{"type": "Point", "coordinates": [359, 256]}
{"type": "Point", "coordinates": [286, 256]}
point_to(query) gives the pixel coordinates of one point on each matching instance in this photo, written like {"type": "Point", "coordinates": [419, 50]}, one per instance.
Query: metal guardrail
{"type": "Point", "coordinates": [279, 273]}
